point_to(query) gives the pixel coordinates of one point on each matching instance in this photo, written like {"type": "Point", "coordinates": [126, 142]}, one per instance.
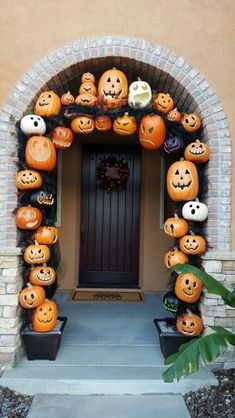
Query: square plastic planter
{"type": "Point", "coordinates": [43, 345]}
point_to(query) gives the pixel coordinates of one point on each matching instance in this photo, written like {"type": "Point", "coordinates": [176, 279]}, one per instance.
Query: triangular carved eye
{"type": "Point", "coordinates": [109, 80]}
{"type": "Point", "coordinates": [150, 130]}
{"type": "Point", "coordinates": [177, 172]}
{"type": "Point", "coordinates": [187, 172]}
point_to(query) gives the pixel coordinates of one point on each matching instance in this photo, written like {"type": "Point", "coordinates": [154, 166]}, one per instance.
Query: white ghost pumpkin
{"type": "Point", "coordinates": [32, 125]}
{"type": "Point", "coordinates": [195, 211]}
{"type": "Point", "coordinates": [140, 94]}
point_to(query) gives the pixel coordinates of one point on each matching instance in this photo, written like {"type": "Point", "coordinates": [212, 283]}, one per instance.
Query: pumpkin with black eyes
{"type": "Point", "coordinates": [174, 257]}
{"type": "Point", "coordinates": [67, 99]}
{"type": "Point", "coordinates": [46, 235]}
{"type": "Point", "coordinates": [163, 102]}
{"type": "Point", "coordinates": [125, 125]}
{"type": "Point", "coordinates": [182, 181]}
{"type": "Point", "coordinates": [174, 115]}
{"type": "Point", "coordinates": [36, 254]}
{"type": "Point", "coordinates": [140, 94]}
{"type": "Point", "coordinates": [47, 104]}
{"type": "Point", "coordinates": [197, 152]}
{"type": "Point", "coordinates": [86, 99]}
{"type": "Point", "coordinates": [152, 132]}
{"type": "Point", "coordinates": [42, 199]}
{"type": "Point", "coordinates": [28, 180]}
{"type": "Point", "coordinates": [103, 123]}
{"type": "Point", "coordinates": [83, 125]}
{"type": "Point", "coordinates": [28, 217]}
{"type": "Point", "coordinates": [40, 153]}
{"type": "Point", "coordinates": [87, 88]}
{"type": "Point", "coordinates": [113, 87]}
{"type": "Point", "coordinates": [88, 77]}
{"type": "Point", "coordinates": [188, 288]}
{"type": "Point", "coordinates": [173, 144]}
{"type": "Point", "coordinates": [192, 244]}
{"type": "Point", "coordinates": [42, 275]}
{"type": "Point", "coordinates": [195, 211]}
{"type": "Point", "coordinates": [176, 227]}
{"type": "Point", "coordinates": [62, 137]}
{"type": "Point", "coordinates": [189, 324]}
{"type": "Point", "coordinates": [44, 317]}
{"type": "Point", "coordinates": [31, 296]}
{"type": "Point", "coordinates": [191, 122]}
{"type": "Point", "coordinates": [32, 125]}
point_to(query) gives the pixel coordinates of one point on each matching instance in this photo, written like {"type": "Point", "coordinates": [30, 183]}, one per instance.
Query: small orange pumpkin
{"type": "Point", "coordinates": [36, 254]}
{"type": "Point", "coordinates": [174, 115]}
{"type": "Point", "coordinates": [28, 217]}
{"type": "Point", "coordinates": [40, 153]}
{"type": "Point", "coordinates": [86, 99]}
{"type": "Point", "coordinates": [198, 152]}
{"type": "Point", "coordinates": [182, 181]}
{"type": "Point", "coordinates": [88, 77]}
{"type": "Point", "coordinates": [163, 102]}
{"type": "Point", "coordinates": [125, 125]}
{"type": "Point", "coordinates": [42, 275]}
{"type": "Point", "coordinates": [28, 180]}
{"type": "Point", "coordinates": [113, 87]}
{"type": "Point", "coordinates": [103, 123]}
{"type": "Point", "coordinates": [193, 244]}
{"type": "Point", "coordinates": [174, 257]}
{"type": "Point", "coordinates": [83, 125]}
{"type": "Point", "coordinates": [191, 122]}
{"type": "Point", "coordinates": [87, 88]}
{"type": "Point", "coordinates": [62, 137]}
{"type": "Point", "coordinates": [67, 99]}
{"type": "Point", "coordinates": [44, 317]}
{"type": "Point", "coordinates": [176, 227]}
{"type": "Point", "coordinates": [47, 104]}
{"type": "Point", "coordinates": [188, 287]}
{"type": "Point", "coordinates": [31, 296]}
{"type": "Point", "coordinates": [46, 235]}
{"type": "Point", "coordinates": [189, 324]}
{"type": "Point", "coordinates": [152, 132]}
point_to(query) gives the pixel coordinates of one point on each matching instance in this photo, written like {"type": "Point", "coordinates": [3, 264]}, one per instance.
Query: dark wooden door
{"type": "Point", "coordinates": [110, 222]}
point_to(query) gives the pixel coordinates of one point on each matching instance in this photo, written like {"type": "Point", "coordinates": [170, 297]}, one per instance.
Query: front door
{"type": "Point", "coordinates": [110, 221]}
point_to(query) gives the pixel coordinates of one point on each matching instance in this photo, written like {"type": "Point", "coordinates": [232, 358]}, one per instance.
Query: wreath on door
{"type": "Point", "coordinates": [112, 174]}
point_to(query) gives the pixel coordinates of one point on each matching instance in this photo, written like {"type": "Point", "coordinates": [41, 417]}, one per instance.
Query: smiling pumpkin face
{"type": "Point", "coordinates": [190, 325]}
{"type": "Point", "coordinates": [88, 77]}
{"type": "Point", "coordinates": [191, 122]}
{"type": "Point", "coordinates": [182, 181]}
{"type": "Point", "coordinates": [140, 94]}
{"type": "Point", "coordinates": [28, 217]}
{"type": "Point", "coordinates": [42, 198]}
{"type": "Point", "coordinates": [188, 287]}
{"type": "Point", "coordinates": [174, 257]}
{"type": "Point", "coordinates": [198, 152]}
{"type": "Point", "coordinates": [40, 153]}
{"type": "Point", "coordinates": [83, 125]}
{"type": "Point", "coordinates": [103, 123]}
{"type": "Point", "coordinates": [125, 125]}
{"type": "Point", "coordinates": [163, 102]}
{"type": "Point", "coordinates": [113, 87]}
{"type": "Point", "coordinates": [86, 99]}
{"type": "Point", "coordinates": [47, 104]}
{"type": "Point", "coordinates": [62, 137]}
{"type": "Point", "coordinates": [28, 180]}
{"type": "Point", "coordinates": [31, 296]}
{"type": "Point", "coordinates": [87, 88]}
{"type": "Point", "coordinates": [193, 244]}
{"type": "Point", "coordinates": [42, 275]}
{"type": "Point", "coordinates": [44, 317]}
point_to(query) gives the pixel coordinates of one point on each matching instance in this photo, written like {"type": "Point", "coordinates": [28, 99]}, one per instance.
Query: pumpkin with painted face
{"type": "Point", "coordinates": [113, 87]}
{"type": "Point", "coordinates": [176, 227]}
{"type": "Point", "coordinates": [83, 125]}
{"type": "Point", "coordinates": [42, 275]}
{"type": "Point", "coordinates": [32, 125]}
{"type": "Point", "coordinates": [189, 324]}
{"type": "Point", "coordinates": [182, 181]}
{"type": "Point", "coordinates": [44, 317]}
{"type": "Point", "coordinates": [174, 257]}
{"type": "Point", "coordinates": [197, 152]}
{"type": "Point", "coordinates": [125, 125]}
{"type": "Point", "coordinates": [195, 211]}
{"type": "Point", "coordinates": [173, 144]}
{"type": "Point", "coordinates": [103, 123]}
{"type": "Point", "coordinates": [31, 296]}
{"type": "Point", "coordinates": [152, 132]}
{"type": "Point", "coordinates": [67, 99]}
{"type": "Point", "coordinates": [171, 302]}
{"type": "Point", "coordinates": [87, 88]}
{"type": "Point", "coordinates": [174, 115]}
{"type": "Point", "coordinates": [62, 137]}
{"type": "Point", "coordinates": [86, 99]}
{"type": "Point", "coordinates": [42, 198]}
{"type": "Point", "coordinates": [46, 235]}
{"type": "Point", "coordinates": [163, 102]}
{"type": "Point", "coordinates": [47, 104]}
{"type": "Point", "coordinates": [36, 254]}
{"type": "Point", "coordinates": [140, 94]}
{"type": "Point", "coordinates": [28, 217]}
{"type": "Point", "coordinates": [28, 180]}
{"type": "Point", "coordinates": [40, 153]}
{"type": "Point", "coordinates": [191, 122]}
{"type": "Point", "coordinates": [193, 244]}
{"type": "Point", "coordinates": [88, 77]}
{"type": "Point", "coordinates": [188, 288]}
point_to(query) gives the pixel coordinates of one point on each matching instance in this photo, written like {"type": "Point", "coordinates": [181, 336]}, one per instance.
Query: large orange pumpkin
{"type": "Point", "coordinates": [28, 217]}
{"type": "Point", "coordinates": [40, 153]}
{"type": "Point", "coordinates": [176, 227]}
{"type": "Point", "coordinates": [44, 317]}
{"type": "Point", "coordinates": [152, 132]}
{"type": "Point", "coordinates": [182, 181]}
{"type": "Point", "coordinates": [113, 87]}
{"type": "Point", "coordinates": [31, 296]}
{"type": "Point", "coordinates": [42, 275]}
{"type": "Point", "coordinates": [188, 287]}
{"type": "Point", "coordinates": [189, 324]}
{"type": "Point", "coordinates": [36, 254]}
{"type": "Point", "coordinates": [62, 137]}
{"type": "Point", "coordinates": [193, 244]}
{"type": "Point", "coordinates": [46, 235]}
{"type": "Point", "coordinates": [174, 257]}
{"type": "Point", "coordinates": [197, 152]}
{"type": "Point", "coordinates": [47, 104]}
{"type": "Point", "coordinates": [28, 180]}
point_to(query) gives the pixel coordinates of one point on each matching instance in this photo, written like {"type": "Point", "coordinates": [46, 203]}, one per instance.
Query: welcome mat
{"type": "Point", "coordinates": [105, 296]}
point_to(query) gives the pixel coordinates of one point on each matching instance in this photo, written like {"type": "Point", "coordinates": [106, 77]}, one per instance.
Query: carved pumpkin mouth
{"type": "Point", "coordinates": [60, 143]}
{"type": "Point", "coordinates": [112, 94]}
{"type": "Point", "coordinates": [181, 186]}
{"type": "Point", "coordinates": [43, 278]}
{"type": "Point", "coordinates": [46, 201]}
{"type": "Point", "coordinates": [28, 181]}
{"type": "Point", "coordinates": [188, 292]}
{"type": "Point", "coordinates": [45, 321]}
{"type": "Point", "coordinates": [188, 332]}
{"type": "Point", "coordinates": [141, 97]}
{"type": "Point", "coordinates": [85, 128]}
{"type": "Point", "coordinates": [31, 224]}
{"type": "Point", "coordinates": [191, 248]}
{"type": "Point", "coordinates": [43, 104]}
{"type": "Point", "coordinates": [36, 257]}
{"type": "Point", "coordinates": [196, 151]}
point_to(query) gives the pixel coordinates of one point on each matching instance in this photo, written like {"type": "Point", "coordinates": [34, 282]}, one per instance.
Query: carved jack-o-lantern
{"type": "Point", "coordinates": [47, 104]}
{"type": "Point", "coordinates": [42, 198]}
{"type": "Point", "coordinates": [125, 125]}
{"type": "Point", "coordinates": [62, 137]}
{"type": "Point", "coordinates": [140, 94]}
{"type": "Point", "coordinates": [46, 235]}
{"type": "Point", "coordinates": [188, 287]}
{"type": "Point", "coordinates": [163, 102]}
{"type": "Point", "coordinates": [198, 152]}
{"type": "Point", "coordinates": [171, 302]}
{"type": "Point", "coordinates": [173, 144]}
{"type": "Point", "coordinates": [195, 211]}
{"type": "Point", "coordinates": [31, 296]}
{"type": "Point", "coordinates": [28, 180]}
{"type": "Point", "coordinates": [67, 99]}
{"type": "Point", "coordinates": [103, 123]}
{"type": "Point", "coordinates": [176, 227]}
{"type": "Point", "coordinates": [192, 244]}
{"type": "Point", "coordinates": [36, 254]}
{"type": "Point", "coordinates": [189, 324]}
{"type": "Point", "coordinates": [32, 125]}
{"type": "Point", "coordinates": [86, 99]}
{"type": "Point", "coordinates": [44, 317]}
{"type": "Point", "coordinates": [83, 125]}
{"type": "Point", "coordinates": [113, 87]}
{"type": "Point", "coordinates": [28, 217]}
{"type": "Point", "coordinates": [87, 88]}
{"type": "Point", "coordinates": [191, 122]}
{"type": "Point", "coordinates": [174, 257]}
{"type": "Point", "coordinates": [40, 153]}
{"type": "Point", "coordinates": [152, 132]}
{"type": "Point", "coordinates": [174, 115]}
{"type": "Point", "coordinates": [182, 181]}
{"type": "Point", "coordinates": [42, 275]}
{"type": "Point", "coordinates": [88, 77]}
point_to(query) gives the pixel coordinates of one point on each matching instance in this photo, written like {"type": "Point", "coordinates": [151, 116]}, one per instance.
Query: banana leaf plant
{"type": "Point", "coordinates": [208, 347]}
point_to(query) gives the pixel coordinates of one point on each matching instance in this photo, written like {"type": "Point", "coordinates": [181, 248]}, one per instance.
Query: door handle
{"type": "Point", "coordinates": [83, 233]}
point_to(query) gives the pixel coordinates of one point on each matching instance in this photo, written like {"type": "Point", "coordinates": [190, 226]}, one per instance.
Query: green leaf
{"type": "Point", "coordinates": [208, 348]}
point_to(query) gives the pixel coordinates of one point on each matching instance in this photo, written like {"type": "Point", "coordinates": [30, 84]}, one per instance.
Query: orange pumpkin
{"type": "Point", "coordinates": [125, 125]}
{"type": "Point", "coordinates": [174, 257]}
{"type": "Point", "coordinates": [191, 122]}
{"type": "Point", "coordinates": [189, 324]}
{"type": "Point", "coordinates": [188, 287]}
{"type": "Point", "coordinates": [44, 317]}
{"type": "Point", "coordinates": [103, 123]}
{"type": "Point", "coordinates": [197, 152]}
{"type": "Point", "coordinates": [83, 125]}
{"type": "Point", "coordinates": [87, 88]}
{"type": "Point", "coordinates": [113, 87]}
{"type": "Point", "coordinates": [36, 254]}
{"type": "Point", "coordinates": [163, 102]}
{"type": "Point", "coordinates": [152, 132]}
{"type": "Point", "coordinates": [47, 104]}
{"type": "Point", "coordinates": [176, 227]}
{"type": "Point", "coordinates": [40, 153]}
{"type": "Point", "coordinates": [46, 235]}
{"type": "Point", "coordinates": [193, 244]}
{"type": "Point", "coordinates": [174, 115]}
{"type": "Point", "coordinates": [28, 180]}
{"type": "Point", "coordinates": [31, 296]}
{"type": "Point", "coordinates": [67, 99]}
{"type": "Point", "coordinates": [88, 77]}
{"type": "Point", "coordinates": [28, 217]}
{"type": "Point", "coordinates": [42, 275]}
{"type": "Point", "coordinates": [86, 99]}
{"type": "Point", "coordinates": [182, 181]}
{"type": "Point", "coordinates": [62, 137]}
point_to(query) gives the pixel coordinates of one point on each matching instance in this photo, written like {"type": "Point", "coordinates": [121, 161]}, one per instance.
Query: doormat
{"type": "Point", "coordinates": [105, 296]}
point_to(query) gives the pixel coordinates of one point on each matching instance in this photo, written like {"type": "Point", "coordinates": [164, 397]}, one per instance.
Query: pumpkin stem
{"type": "Point", "coordinates": [29, 285]}
{"type": "Point", "coordinates": [36, 242]}
{"type": "Point", "coordinates": [139, 79]}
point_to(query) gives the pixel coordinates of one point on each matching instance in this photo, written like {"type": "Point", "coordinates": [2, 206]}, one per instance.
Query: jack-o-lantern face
{"type": "Point", "coordinates": [31, 296]}
{"type": "Point", "coordinates": [125, 125]}
{"type": "Point", "coordinates": [44, 317]}
{"type": "Point", "coordinates": [87, 88]}
{"type": "Point", "coordinates": [28, 217]}
{"type": "Point", "coordinates": [174, 257]}
{"type": "Point", "coordinates": [46, 235]}
{"type": "Point", "coordinates": [67, 99]}
{"type": "Point", "coordinates": [198, 152]}
{"type": "Point", "coordinates": [190, 325]}
{"type": "Point", "coordinates": [32, 125]}
{"type": "Point", "coordinates": [113, 87]}
{"type": "Point", "coordinates": [28, 180]}
{"type": "Point", "coordinates": [191, 122]}
{"type": "Point", "coordinates": [188, 287]}
{"type": "Point", "coordinates": [182, 181]}
{"type": "Point", "coordinates": [152, 132]}
{"type": "Point", "coordinates": [42, 198]}
{"type": "Point", "coordinates": [88, 77]}
{"type": "Point", "coordinates": [36, 254]}
{"type": "Point", "coordinates": [193, 244]}
{"type": "Point", "coordinates": [171, 302]}
{"type": "Point", "coordinates": [195, 211]}
{"type": "Point", "coordinates": [62, 137]}
{"type": "Point", "coordinates": [40, 153]}
{"type": "Point", "coordinates": [86, 99]}
{"type": "Point", "coordinates": [140, 94]}
{"type": "Point", "coordinates": [176, 227]}
{"type": "Point", "coordinates": [82, 125]}
{"type": "Point", "coordinates": [163, 102]}
{"type": "Point", "coordinates": [42, 275]}
{"type": "Point", "coordinates": [174, 115]}
{"type": "Point", "coordinates": [103, 123]}
{"type": "Point", "coordinates": [173, 144]}
{"type": "Point", "coordinates": [47, 104]}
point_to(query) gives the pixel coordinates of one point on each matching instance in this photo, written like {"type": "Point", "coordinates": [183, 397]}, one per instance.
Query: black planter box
{"type": "Point", "coordinates": [170, 340]}
{"type": "Point", "coordinates": [43, 345]}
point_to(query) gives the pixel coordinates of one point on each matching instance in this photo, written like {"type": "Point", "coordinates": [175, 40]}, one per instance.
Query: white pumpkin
{"type": "Point", "coordinates": [32, 125]}
{"type": "Point", "coordinates": [140, 94]}
{"type": "Point", "coordinates": [195, 211]}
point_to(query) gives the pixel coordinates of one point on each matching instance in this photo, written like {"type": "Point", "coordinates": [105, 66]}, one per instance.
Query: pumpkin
{"type": "Point", "coordinates": [28, 180]}
{"type": "Point", "coordinates": [163, 102]}
{"type": "Point", "coordinates": [113, 87]}
{"type": "Point", "coordinates": [87, 88]}
{"type": "Point", "coordinates": [42, 198]}
{"type": "Point", "coordinates": [36, 254]}
{"type": "Point", "coordinates": [44, 317]}
{"type": "Point", "coordinates": [62, 137]}
{"type": "Point", "coordinates": [28, 217]}
{"type": "Point", "coordinates": [189, 324]}
{"type": "Point", "coordinates": [32, 125]}
{"type": "Point", "coordinates": [42, 275]}
{"type": "Point", "coordinates": [140, 94]}
{"type": "Point", "coordinates": [171, 302]}
{"type": "Point", "coordinates": [195, 211]}
{"type": "Point", "coordinates": [152, 132]}
{"type": "Point", "coordinates": [173, 144]}
{"type": "Point", "coordinates": [31, 296]}
{"type": "Point", "coordinates": [175, 227]}
{"type": "Point", "coordinates": [40, 153]}
{"type": "Point", "coordinates": [83, 125]}
{"type": "Point", "coordinates": [125, 125]}
{"type": "Point", "coordinates": [182, 181]}
{"type": "Point", "coordinates": [188, 287]}
{"type": "Point", "coordinates": [103, 123]}
{"type": "Point", "coordinates": [88, 77]}
{"type": "Point", "coordinates": [86, 99]}
{"type": "Point", "coordinates": [47, 104]}
{"type": "Point", "coordinates": [67, 99]}
{"type": "Point", "coordinates": [191, 122]}
{"type": "Point", "coordinates": [174, 257]}
{"type": "Point", "coordinates": [46, 235]}
{"type": "Point", "coordinates": [198, 152]}
{"type": "Point", "coordinates": [192, 244]}
{"type": "Point", "coordinates": [174, 115]}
